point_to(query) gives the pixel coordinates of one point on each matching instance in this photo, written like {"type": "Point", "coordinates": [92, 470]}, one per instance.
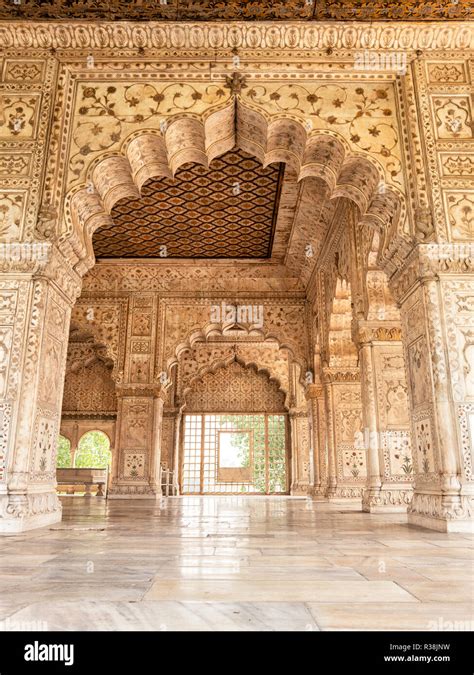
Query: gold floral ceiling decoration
{"type": "Point", "coordinates": [226, 211]}
{"type": "Point", "coordinates": [237, 10]}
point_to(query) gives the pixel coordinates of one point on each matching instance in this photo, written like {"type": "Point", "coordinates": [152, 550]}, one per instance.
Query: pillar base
{"type": "Point", "coordinates": [20, 513]}
{"type": "Point", "coordinates": [344, 493]}
{"type": "Point", "coordinates": [387, 499]}
{"type": "Point", "coordinates": [317, 494]}
{"type": "Point", "coordinates": [300, 490]}
{"type": "Point", "coordinates": [134, 492]}
{"type": "Point", "coordinates": [442, 512]}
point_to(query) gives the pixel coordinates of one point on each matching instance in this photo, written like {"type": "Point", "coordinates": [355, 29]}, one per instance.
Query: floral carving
{"type": "Point", "coordinates": [362, 114]}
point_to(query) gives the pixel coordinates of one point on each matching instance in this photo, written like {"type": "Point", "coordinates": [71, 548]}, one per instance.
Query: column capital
{"type": "Point", "coordinates": [313, 391]}
{"type": "Point", "coordinates": [41, 260]}
{"type": "Point", "coordinates": [428, 261]}
{"type": "Point", "coordinates": [297, 412]}
{"type": "Point", "coordinates": [331, 375]}
{"type": "Point", "coordinates": [366, 332]}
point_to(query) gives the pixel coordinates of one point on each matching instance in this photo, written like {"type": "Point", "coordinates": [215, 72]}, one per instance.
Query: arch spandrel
{"type": "Point", "coordinates": [353, 151]}
{"type": "Point", "coordinates": [282, 323]}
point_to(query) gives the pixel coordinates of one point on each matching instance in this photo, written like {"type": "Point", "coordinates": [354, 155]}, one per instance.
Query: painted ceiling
{"type": "Point", "coordinates": [237, 10]}
{"type": "Point", "coordinates": [228, 210]}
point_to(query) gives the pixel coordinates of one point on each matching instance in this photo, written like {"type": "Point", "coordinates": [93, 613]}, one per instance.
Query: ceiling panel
{"type": "Point", "coordinates": [236, 10]}
{"type": "Point", "coordinates": [226, 211]}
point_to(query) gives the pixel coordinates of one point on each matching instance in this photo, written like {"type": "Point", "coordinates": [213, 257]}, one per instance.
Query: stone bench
{"type": "Point", "coordinates": [71, 481]}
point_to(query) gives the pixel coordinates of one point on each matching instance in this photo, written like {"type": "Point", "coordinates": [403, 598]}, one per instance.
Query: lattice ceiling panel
{"type": "Point", "coordinates": [226, 211]}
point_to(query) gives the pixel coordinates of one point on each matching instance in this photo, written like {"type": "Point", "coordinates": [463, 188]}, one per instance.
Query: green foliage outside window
{"type": "Point", "coordinates": [93, 451]}
{"type": "Point", "coordinates": [276, 439]}
{"type": "Point", "coordinates": [63, 456]}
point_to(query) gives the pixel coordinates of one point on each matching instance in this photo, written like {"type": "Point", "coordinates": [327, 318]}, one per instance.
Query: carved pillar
{"type": "Point", "coordinates": [369, 416]}
{"type": "Point", "coordinates": [74, 443]}
{"type": "Point", "coordinates": [385, 417]}
{"type": "Point", "coordinates": [346, 455]}
{"type": "Point", "coordinates": [331, 443]}
{"type": "Point", "coordinates": [170, 437]}
{"type": "Point", "coordinates": [435, 290]}
{"type": "Point", "coordinates": [176, 450]}
{"type": "Point", "coordinates": [37, 292]}
{"type": "Point", "coordinates": [138, 442]}
{"type": "Point", "coordinates": [140, 406]}
{"type": "Point", "coordinates": [314, 396]}
{"type": "Point", "coordinates": [300, 447]}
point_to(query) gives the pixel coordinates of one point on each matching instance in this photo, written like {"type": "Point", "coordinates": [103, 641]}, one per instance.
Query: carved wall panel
{"type": "Point", "coordinates": [425, 453]}
{"type": "Point", "coordinates": [106, 317]}
{"type": "Point", "coordinates": [52, 366]}
{"type": "Point", "coordinates": [466, 422]}
{"type": "Point", "coordinates": [349, 436]}
{"type": "Point", "coordinates": [88, 387]}
{"type": "Point", "coordinates": [5, 417]}
{"type": "Point", "coordinates": [300, 450]}
{"type": "Point", "coordinates": [397, 456]}
{"type": "Point", "coordinates": [393, 409]}
{"type": "Point", "coordinates": [235, 389]}
{"type": "Point", "coordinates": [134, 441]}
{"type": "Point", "coordinates": [12, 213]}
{"type": "Point", "coordinates": [459, 307]}
{"type": "Point", "coordinates": [140, 336]}
{"type": "Point", "coordinates": [460, 212]}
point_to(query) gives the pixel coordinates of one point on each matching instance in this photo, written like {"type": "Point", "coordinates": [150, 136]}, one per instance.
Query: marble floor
{"type": "Point", "coordinates": [233, 563]}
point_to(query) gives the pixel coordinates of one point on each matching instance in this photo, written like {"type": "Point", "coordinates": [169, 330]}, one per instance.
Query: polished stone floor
{"type": "Point", "coordinates": [233, 563]}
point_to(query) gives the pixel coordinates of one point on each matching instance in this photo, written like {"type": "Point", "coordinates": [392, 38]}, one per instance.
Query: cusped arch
{"type": "Point", "coordinates": [186, 138]}
{"type": "Point", "coordinates": [215, 330]}
{"type": "Point", "coordinates": [215, 365]}
{"type": "Point", "coordinates": [272, 389]}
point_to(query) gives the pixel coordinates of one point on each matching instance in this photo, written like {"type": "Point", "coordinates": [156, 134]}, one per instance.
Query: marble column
{"type": "Point", "coordinates": [37, 291]}
{"type": "Point", "coordinates": [435, 292]}
{"type": "Point", "coordinates": [300, 448]}
{"type": "Point", "coordinates": [176, 450]}
{"type": "Point", "coordinates": [385, 417]}
{"type": "Point", "coordinates": [331, 484]}
{"type": "Point", "coordinates": [314, 396]}
{"type": "Point", "coordinates": [74, 444]}
{"type": "Point", "coordinates": [139, 423]}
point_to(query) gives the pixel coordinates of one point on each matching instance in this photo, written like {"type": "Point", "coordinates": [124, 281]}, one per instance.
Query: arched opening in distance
{"type": "Point", "coordinates": [93, 451]}
{"type": "Point", "coordinates": [63, 456]}
{"type": "Point", "coordinates": [235, 434]}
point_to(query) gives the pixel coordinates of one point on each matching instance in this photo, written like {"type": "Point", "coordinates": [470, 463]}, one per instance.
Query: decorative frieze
{"type": "Point", "coordinates": [190, 38]}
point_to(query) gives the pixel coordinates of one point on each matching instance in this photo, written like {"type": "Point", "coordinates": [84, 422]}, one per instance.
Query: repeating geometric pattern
{"type": "Point", "coordinates": [235, 10]}
{"type": "Point", "coordinates": [226, 211]}
{"type": "Point", "coordinates": [235, 388]}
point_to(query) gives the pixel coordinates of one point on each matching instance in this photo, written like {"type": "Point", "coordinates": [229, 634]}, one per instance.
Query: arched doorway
{"type": "Point", "coordinates": [93, 451]}
{"type": "Point", "coordinates": [235, 434]}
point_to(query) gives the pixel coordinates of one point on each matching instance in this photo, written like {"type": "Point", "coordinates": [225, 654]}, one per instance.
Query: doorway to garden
{"type": "Point", "coordinates": [234, 454]}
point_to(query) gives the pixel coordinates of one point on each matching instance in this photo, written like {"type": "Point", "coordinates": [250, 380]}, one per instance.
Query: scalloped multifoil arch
{"type": "Point", "coordinates": [214, 330]}
{"type": "Point", "coordinates": [149, 153]}
{"type": "Point", "coordinates": [190, 383]}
